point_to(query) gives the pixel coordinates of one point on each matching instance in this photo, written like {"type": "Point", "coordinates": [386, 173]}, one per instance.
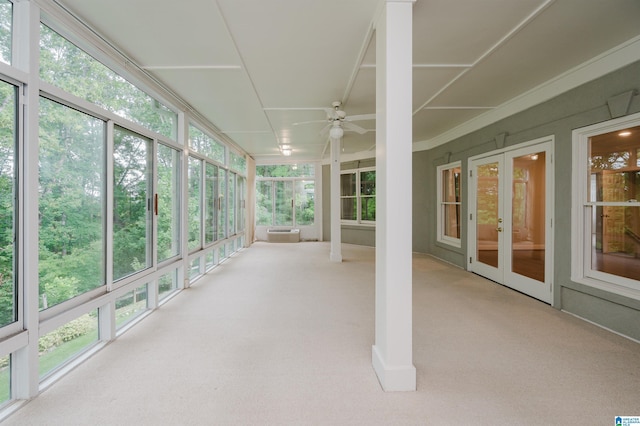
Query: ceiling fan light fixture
{"type": "Point", "coordinates": [286, 152]}
{"type": "Point", "coordinates": [336, 132]}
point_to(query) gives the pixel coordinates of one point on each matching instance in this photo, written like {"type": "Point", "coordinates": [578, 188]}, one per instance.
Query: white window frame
{"type": "Point", "coordinates": [581, 271]}
{"type": "Point", "coordinates": [441, 237]}
{"type": "Point", "coordinates": [358, 197]}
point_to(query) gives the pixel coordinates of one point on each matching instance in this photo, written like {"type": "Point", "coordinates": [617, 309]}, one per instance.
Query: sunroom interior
{"type": "Point", "coordinates": [146, 144]}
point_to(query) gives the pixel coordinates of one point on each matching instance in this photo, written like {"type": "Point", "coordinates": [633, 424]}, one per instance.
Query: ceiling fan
{"type": "Point", "coordinates": [337, 118]}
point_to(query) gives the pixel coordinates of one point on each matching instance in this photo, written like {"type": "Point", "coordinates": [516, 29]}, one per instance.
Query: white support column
{"type": "Point", "coordinates": [336, 230]}
{"type": "Point", "coordinates": [392, 351]}
{"type": "Point", "coordinates": [27, 57]}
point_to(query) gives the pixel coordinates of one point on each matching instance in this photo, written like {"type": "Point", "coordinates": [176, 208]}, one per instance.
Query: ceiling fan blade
{"type": "Point", "coordinates": [361, 117]}
{"type": "Point", "coordinates": [325, 130]}
{"type": "Point", "coordinates": [354, 127]}
{"type": "Point", "coordinates": [309, 122]}
{"type": "Point", "coordinates": [331, 113]}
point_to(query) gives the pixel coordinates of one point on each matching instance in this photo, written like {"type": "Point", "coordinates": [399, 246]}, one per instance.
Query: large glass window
{"type": "Point", "coordinates": [205, 145]}
{"type": "Point", "coordinates": [71, 203]}
{"type": "Point", "coordinates": [6, 30]}
{"type": "Point", "coordinates": [285, 195]}
{"type": "Point", "coordinates": [132, 225]}
{"type": "Point", "coordinates": [195, 177]}
{"type": "Point", "coordinates": [63, 344]}
{"type": "Point", "coordinates": [264, 202]}
{"type": "Point", "coordinates": [167, 203]}
{"type": "Point", "coordinates": [237, 162]}
{"type": "Point", "coordinates": [358, 195]}
{"type": "Point", "coordinates": [609, 194]}
{"type": "Point", "coordinates": [222, 204]}
{"type": "Point", "coordinates": [449, 203]}
{"type": "Point", "coordinates": [71, 69]}
{"type": "Point", "coordinates": [232, 203]}
{"type": "Point", "coordinates": [210, 203]}
{"type": "Point", "coordinates": [8, 311]}
{"type": "Point", "coordinates": [305, 202]}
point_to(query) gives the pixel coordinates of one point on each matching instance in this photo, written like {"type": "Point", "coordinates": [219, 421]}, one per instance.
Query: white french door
{"type": "Point", "coordinates": [510, 218]}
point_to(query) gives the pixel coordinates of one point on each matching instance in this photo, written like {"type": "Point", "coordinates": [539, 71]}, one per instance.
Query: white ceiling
{"type": "Point", "coordinates": [255, 67]}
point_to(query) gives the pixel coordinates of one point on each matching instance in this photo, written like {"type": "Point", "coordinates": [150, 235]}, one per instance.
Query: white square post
{"type": "Point", "coordinates": [392, 351]}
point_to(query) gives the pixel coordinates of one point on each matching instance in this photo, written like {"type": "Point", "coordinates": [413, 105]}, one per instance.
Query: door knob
{"type": "Point", "coordinates": [499, 229]}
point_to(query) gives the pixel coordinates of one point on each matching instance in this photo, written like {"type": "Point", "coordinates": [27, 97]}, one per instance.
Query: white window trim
{"type": "Point", "coordinates": [580, 222]}
{"type": "Point", "coordinates": [441, 237]}
{"type": "Point", "coordinates": [358, 197]}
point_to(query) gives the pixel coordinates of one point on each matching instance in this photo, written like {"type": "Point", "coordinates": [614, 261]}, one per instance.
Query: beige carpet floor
{"type": "Point", "coordinates": [278, 335]}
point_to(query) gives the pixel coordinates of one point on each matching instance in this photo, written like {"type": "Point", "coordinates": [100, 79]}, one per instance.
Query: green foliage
{"type": "Point", "coordinates": [72, 330]}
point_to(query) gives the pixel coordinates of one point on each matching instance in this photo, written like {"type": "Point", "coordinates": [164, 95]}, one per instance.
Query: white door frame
{"type": "Point", "coordinates": [503, 274]}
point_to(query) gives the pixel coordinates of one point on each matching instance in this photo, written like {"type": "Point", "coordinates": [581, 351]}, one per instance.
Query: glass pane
{"type": "Point", "coordinates": [132, 221]}
{"type": "Point", "coordinates": [348, 185]}
{"type": "Point", "coordinates": [616, 241]}
{"type": "Point", "coordinates": [614, 166]}
{"type": "Point", "coordinates": [284, 203]}
{"type": "Point", "coordinates": [210, 260]}
{"type": "Point", "coordinates": [194, 203]}
{"type": "Point", "coordinates": [210, 203]}
{"type": "Point", "coordinates": [131, 305]}
{"type": "Point", "coordinates": [205, 145]}
{"type": "Point", "coordinates": [528, 216]}
{"type": "Point", "coordinates": [222, 204]}
{"type": "Point", "coordinates": [8, 311]}
{"type": "Point", "coordinates": [368, 183]}
{"type": "Point", "coordinates": [67, 342]}
{"type": "Point", "coordinates": [264, 203]}
{"type": "Point", "coordinates": [5, 379]}
{"type": "Point", "coordinates": [451, 185]}
{"type": "Point", "coordinates": [305, 202]}
{"type": "Point", "coordinates": [286, 170]}
{"type": "Point", "coordinates": [167, 284]}
{"type": "Point", "coordinates": [71, 69]}
{"type": "Point", "coordinates": [368, 208]}
{"type": "Point", "coordinates": [348, 209]}
{"type": "Point", "coordinates": [71, 203]}
{"type": "Point", "coordinates": [451, 217]}
{"type": "Point", "coordinates": [169, 166]}
{"type": "Point", "coordinates": [194, 269]}
{"type": "Point", "coordinates": [487, 214]}
{"type": "Point", "coordinates": [241, 200]}
{"type": "Point", "coordinates": [237, 162]}
{"type": "Point", "coordinates": [6, 29]}
{"type": "Point", "coordinates": [231, 203]}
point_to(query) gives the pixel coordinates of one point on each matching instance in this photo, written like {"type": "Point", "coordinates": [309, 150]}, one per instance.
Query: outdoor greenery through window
{"type": "Point", "coordinates": [131, 305]}
{"type": "Point", "coordinates": [63, 344]}
{"type": "Point", "coordinates": [132, 226]}
{"type": "Point", "coordinates": [205, 145]}
{"type": "Point", "coordinates": [8, 311]}
{"type": "Point", "coordinates": [6, 30]}
{"type": "Point", "coordinates": [285, 195]}
{"type": "Point", "coordinates": [71, 203]}
{"type": "Point", "coordinates": [195, 177]}
{"type": "Point", "coordinates": [358, 195]}
{"type": "Point", "coordinates": [168, 202]}
{"type": "Point", "coordinates": [66, 66]}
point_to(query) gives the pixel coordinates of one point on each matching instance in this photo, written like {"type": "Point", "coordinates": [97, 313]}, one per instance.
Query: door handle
{"type": "Point", "coordinates": [499, 229]}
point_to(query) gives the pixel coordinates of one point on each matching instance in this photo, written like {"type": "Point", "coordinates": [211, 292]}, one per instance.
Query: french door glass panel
{"type": "Point", "coordinates": [528, 211]}
{"type": "Point", "coordinates": [284, 203]}
{"type": "Point", "coordinates": [231, 204]}
{"type": "Point", "coordinates": [264, 202]}
{"type": "Point", "coordinates": [168, 203]}
{"type": "Point", "coordinates": [132, 220]}
{"type": "Point", "coordinates": [305, 196]}
{"type": "Point", "coordinates": [488, 213]}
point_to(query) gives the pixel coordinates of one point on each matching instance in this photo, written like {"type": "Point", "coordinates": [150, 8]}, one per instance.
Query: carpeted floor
{"type": "Point", "coordinates": [278, 335]}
